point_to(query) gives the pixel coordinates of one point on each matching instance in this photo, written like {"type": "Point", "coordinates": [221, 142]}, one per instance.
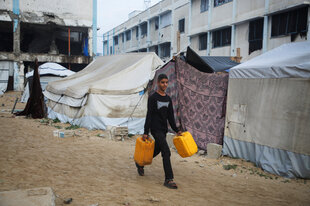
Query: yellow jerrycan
{"type": "Point", "coordinates": [144, 151]}
{"type": "Point", "coordinates": [185, 144]}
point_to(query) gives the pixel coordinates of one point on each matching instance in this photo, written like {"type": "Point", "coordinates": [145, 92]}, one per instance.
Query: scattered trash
{"type": "Point", "coordinates": [63, 134]}
{"type": "Point", "coordinates": [201, 165]}
{"type": "Point", "coordinates": [183, 160]}
{"type": "Point", "coordinates": [201, 152]}
{"type": "Point", "coordinates": [234, 175]}
{"type": "Point", "coordinates": [153, 199]}
{"type": "Point", "coordinates": [68, 200]}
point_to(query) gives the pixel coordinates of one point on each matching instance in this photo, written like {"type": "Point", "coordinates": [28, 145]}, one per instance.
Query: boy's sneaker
{"type": "Point", "coordinates": [140, 170]}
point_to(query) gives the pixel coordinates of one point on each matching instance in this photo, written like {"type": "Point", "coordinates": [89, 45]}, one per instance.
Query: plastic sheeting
{"type": "Point", "coordinates": [135, 125]}
{"type": "Point", "coordinates": [268, 104]}
{"type": "Point", "coordinates": [287, 61]}
{"type": "Point", "coordinates": [52, 69]}
{"type": "Point", "coordinates": [209, 64]}
{"type": "Point", "coordinates": [273, 160]}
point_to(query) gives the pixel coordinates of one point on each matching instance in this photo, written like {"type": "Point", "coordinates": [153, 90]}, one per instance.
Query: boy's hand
{"type": "Point", "coordinates": [179, 133]}
{"type": "Point", "coordinates": [145, 137]}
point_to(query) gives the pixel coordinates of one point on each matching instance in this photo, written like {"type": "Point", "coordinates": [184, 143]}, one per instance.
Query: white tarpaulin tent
{"type": "Point", "coordinates": [268, 111]}
{"type": "Point", "coordinates": [49, 72]}
{"type": "Point", "coordinates": [109, 91]}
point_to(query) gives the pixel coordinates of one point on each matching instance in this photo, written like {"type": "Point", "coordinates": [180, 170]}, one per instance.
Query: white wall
{"type": "Point", "coordinates": [6, 5]}
{"type": "Point", "coordinates": [180, 13]}
{"type": "Point", "coordinates": [248, 9]}
{"type": "Point", "coordinates": [199, 20]}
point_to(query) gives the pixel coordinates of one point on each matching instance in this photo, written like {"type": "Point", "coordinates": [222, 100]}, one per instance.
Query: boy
{"type": "Point", "coordinates": [159, 110]}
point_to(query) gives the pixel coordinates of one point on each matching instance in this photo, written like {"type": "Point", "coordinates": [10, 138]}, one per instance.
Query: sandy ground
{"type": "Point", "coordinates": [91, 169]}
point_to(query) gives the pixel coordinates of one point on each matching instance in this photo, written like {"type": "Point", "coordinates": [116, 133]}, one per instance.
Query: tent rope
{"type": "Point", "coordinates": [78, 110]}
{"type": "Point", "coordinates": [57, 102]}
{"type": "Point", "coordinates": [130, 117]}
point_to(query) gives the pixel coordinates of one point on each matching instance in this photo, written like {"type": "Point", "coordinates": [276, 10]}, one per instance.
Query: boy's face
{"type": "Point", "coordinates": [163, 84]}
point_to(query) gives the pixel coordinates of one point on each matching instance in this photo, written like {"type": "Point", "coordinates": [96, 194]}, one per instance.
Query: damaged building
{"type": "Point", "coordinates": [60, 32]}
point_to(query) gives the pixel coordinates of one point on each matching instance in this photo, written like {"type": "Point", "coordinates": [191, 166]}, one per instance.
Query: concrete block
{"type": "Point", "coordinates": [31, 197]}
{"type": "Point", "coordinates": [214, 151]}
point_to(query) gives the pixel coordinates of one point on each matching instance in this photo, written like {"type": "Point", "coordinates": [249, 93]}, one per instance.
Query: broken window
{"type": "Point", "coordinates": [203, 41]}
{"type": "Point", "coordinates": [156, 23]}
{"type": "Point", "coordinates": [256, 35]}
{"type": "Point", "coordinates": [220, 2]}
{"type": "Point", "coordinates": [204, 5]}
{"type": "Point", "coordinates": [165, 50]}
{"type": "Point", "coordinates": [144, 29]}
{"type": "Point", "coordinates": [128, 35]}
{"type": "Point", "coordinates": [292, 22]}
{"type": "Point", "coordinates": [115, 40]}
{"type": "Point", "coordinates": [181, 25]}
{"type": "Point", "coordinates": [221, 37]}
{"type": "Point", "coordinates": [53, 39]}
{"type": "Point", "coordinates": [6, 36]}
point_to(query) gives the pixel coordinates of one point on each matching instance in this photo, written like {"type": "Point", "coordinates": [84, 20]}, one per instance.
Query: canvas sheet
{"type": "Point", "coordinates": [202, 103]}
{"type": "Point", "coordinates": [287, 61]}
{"type": "Point", "coordinates": [44, 80]}
{"type": "Point", "coordinates": [108, 91]}
{"type": "Point", "coordinates": [111, 106]}
{"type": "Point", "coordinates": [115, 75]}
{"type": "Point", "coordinates": [135, 125]}
{"type": "Point", "coordinates": [273, 160]}
{"type": "Point", "coordinates": [270, 112]}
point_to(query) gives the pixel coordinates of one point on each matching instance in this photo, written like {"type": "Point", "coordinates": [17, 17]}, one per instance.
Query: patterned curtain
{"type": "Point", "coordinates": [202, 103]}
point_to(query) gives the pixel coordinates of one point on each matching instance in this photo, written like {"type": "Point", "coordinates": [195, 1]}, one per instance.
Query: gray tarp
{"type": "Point", "coordinates": [268, 110]}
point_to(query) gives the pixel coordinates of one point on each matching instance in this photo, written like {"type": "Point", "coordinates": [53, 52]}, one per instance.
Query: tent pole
{"type": "Point", "coordinates": [69, 49]}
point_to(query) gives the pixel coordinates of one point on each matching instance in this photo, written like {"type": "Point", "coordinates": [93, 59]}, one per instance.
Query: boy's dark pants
{"type": "Point", "coordinates": [161, 145]}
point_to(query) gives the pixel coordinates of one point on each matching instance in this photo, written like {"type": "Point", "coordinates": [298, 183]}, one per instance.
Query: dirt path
{"type": "Point", "coordinates": [91, 170]}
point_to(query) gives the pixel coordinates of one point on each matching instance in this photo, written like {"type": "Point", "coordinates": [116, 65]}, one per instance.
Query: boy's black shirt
{"type": "Point", "coordinates": [159, 110]}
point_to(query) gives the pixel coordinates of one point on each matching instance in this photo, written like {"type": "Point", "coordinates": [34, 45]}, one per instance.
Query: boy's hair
{"type": "Point", "coordinates": [161, 77]}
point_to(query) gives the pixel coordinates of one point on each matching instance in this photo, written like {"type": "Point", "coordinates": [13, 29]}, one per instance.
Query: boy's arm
{"type": "Point", "coordinates": [171, 117]}
{"type": "Point", "coordinates": [147, 124]}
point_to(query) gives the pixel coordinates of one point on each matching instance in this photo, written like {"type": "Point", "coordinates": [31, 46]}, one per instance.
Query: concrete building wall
{"type": "Point", "coordinates": [6, 5]}
{"type": "Point", "coordinates": [180, 12]}
{"type": "Point", "coordinates": [236, 14]}
{"type": "Point", "coordinates": [73, 12]}
{"type": "Point", "coordinates": [222, 15]}
{"type": "Point", "coordinates": [246, 9]}
{"type": "Point", "coordinates": [40, 29]}
{"type": "Point", "coordinates": [201, 25]}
